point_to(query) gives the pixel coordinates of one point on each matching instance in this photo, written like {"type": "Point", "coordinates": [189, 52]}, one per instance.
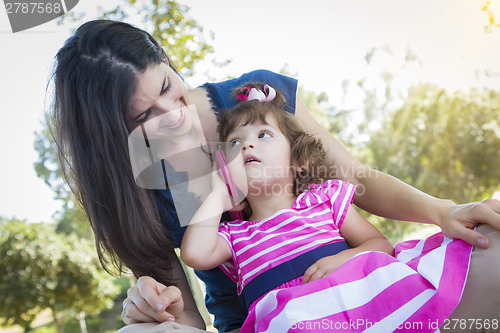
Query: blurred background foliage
{"type": "Point", "coordinates": [492, 21]}
{"type": "Point", "coordinates": [445, 143]}
{"type": "Point", "coordinates": [42, 269]}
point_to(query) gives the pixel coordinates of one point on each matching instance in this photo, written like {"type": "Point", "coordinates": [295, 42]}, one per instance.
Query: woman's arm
{"type": "Point", "coordinates": [201, 246]}
{"type": "Point", "coordinates": [360, 235]}
{"type": "Point", "coordinates": [387, 196]}
{"type": "Point", "coordinates": [152, 301]}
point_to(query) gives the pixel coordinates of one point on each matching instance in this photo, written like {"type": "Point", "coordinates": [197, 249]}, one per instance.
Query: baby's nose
{"type": "Point", "coordinates": [245, 146]}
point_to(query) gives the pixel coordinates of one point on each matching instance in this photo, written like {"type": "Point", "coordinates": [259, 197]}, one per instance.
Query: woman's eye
{"type": "Point", "coordinates": [264, 134]}
{"type": "Point", "coordinates": [143, 117]}
{"type": "Point", "coordinates": [164, 90]}
{"type": "Point", "coordinates": [165, 86]}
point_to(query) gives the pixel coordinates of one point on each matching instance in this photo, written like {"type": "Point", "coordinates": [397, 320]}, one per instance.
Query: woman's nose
{"type": "Point", "coordinates": [167, 104]}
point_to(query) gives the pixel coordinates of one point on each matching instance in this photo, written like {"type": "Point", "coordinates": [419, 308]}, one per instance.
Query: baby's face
{"type": "Point", "coordinates": [265, 155]}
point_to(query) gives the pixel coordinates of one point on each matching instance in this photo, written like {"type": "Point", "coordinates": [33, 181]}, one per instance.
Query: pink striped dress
{"type": "Point", "coordinates": [372, 292]}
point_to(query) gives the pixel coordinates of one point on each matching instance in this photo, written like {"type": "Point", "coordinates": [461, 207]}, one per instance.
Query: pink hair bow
{"type": "Point", "coordinates": [266, 95]}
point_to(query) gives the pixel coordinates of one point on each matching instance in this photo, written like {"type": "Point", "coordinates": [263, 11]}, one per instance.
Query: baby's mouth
{"type": "Point", "coordinates": [250, 159]}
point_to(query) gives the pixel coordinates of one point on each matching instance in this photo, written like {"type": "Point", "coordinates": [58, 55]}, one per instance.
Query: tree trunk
{"type": "Point", "coordinates": [83, 324]}
{"type": "Point", "coordinates": [27, 327]}
{"type": "Point", "coordinates": [57, 322]}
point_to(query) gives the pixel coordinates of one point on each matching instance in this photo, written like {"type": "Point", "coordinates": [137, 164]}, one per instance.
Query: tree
{"type": "Point", "coordinates": [20, 292]}
{"type": "Point", "coordinates": [446, 144]}
{"type": "Point", "coordinates": [42, 269]}
{"type": "Point", "coordinates": [328, 116]}
{"type": "Point", "coordinates": [488, 9]}
{"type": "Point", "coordinates": [171, 25]}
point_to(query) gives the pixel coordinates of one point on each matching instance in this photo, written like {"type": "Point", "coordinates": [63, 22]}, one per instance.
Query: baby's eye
{"type": "Point", "coordinates": [234, 142]}
{"type": "Point", "coordinates": [264, 134]}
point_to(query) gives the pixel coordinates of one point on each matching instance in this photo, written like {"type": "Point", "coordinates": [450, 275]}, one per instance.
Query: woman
{"type": "Point", "coordinates": [110, 78]}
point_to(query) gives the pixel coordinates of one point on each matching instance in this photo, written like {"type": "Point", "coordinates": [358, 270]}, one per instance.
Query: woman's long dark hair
{"type": "Point", "coordinates": [95, 76]}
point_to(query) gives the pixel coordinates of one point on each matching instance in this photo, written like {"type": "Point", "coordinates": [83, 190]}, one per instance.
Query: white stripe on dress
{"type": "Point", "coordinates": [354, 294]}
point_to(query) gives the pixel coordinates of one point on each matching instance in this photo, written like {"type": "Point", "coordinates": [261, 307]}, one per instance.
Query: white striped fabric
{"type": "Point", "coordinates": [314, 220]}
{"type": "Point", "coordinates": [372, 292]}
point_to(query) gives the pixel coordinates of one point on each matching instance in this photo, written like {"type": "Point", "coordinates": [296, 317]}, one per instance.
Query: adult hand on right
{"type": "Point", "coordinates": [460, 220]}
{"type": "Point", "coordinates": [151, 301]}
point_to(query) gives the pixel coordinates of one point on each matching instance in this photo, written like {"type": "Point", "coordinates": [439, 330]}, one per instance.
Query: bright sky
{"type": "Point", "coordinates": [323, 41]}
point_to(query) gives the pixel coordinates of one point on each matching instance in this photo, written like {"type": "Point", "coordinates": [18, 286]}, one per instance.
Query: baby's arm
{"type": "Point", "coordinates": [360, 235]}
{"type": "Point", "coordinates": [201, 246]}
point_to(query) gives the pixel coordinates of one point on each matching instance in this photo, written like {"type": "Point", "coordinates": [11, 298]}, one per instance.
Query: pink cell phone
{"type": "Point", "coordinates": [220, 159]}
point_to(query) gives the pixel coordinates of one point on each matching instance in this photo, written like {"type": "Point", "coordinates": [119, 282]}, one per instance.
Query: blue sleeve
{"type": "Point", "coordinates": [222, 300]}
{"type": "Point", "coordinates": [220, 93]}
{"type": "Point", "coordinates": [168, 216]}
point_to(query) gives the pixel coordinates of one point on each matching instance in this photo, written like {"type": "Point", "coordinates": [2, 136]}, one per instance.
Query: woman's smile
{"type": "Point", "coordinates": [173, 119]}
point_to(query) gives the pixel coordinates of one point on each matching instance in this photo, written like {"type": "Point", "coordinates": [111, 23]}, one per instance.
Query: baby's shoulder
{"type": "Point", "coordinates": [325, 192]}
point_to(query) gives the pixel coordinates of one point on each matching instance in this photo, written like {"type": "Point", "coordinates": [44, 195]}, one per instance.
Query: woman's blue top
{"type": "Point", "coordinates": [221, 297]}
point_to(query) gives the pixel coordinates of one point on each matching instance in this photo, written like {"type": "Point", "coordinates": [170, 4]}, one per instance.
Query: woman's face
{"type": "Point", "coordinates": [160, 92]}
{"type": "Point", "coordinates": [159, 112]}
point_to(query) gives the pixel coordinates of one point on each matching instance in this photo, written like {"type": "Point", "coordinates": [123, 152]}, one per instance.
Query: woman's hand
{"type": "Point", "coordinates": [151, 301]}
{"type": "Point", "coordinates": [459, 221]}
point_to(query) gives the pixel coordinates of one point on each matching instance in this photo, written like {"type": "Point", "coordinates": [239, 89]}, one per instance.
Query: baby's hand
{"type": "Point", "coordinates": [218, 185]}
{"type": "Point", "coordinates": [323, 267]}
{"type": "Point", "coordinates": [220, 190]}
